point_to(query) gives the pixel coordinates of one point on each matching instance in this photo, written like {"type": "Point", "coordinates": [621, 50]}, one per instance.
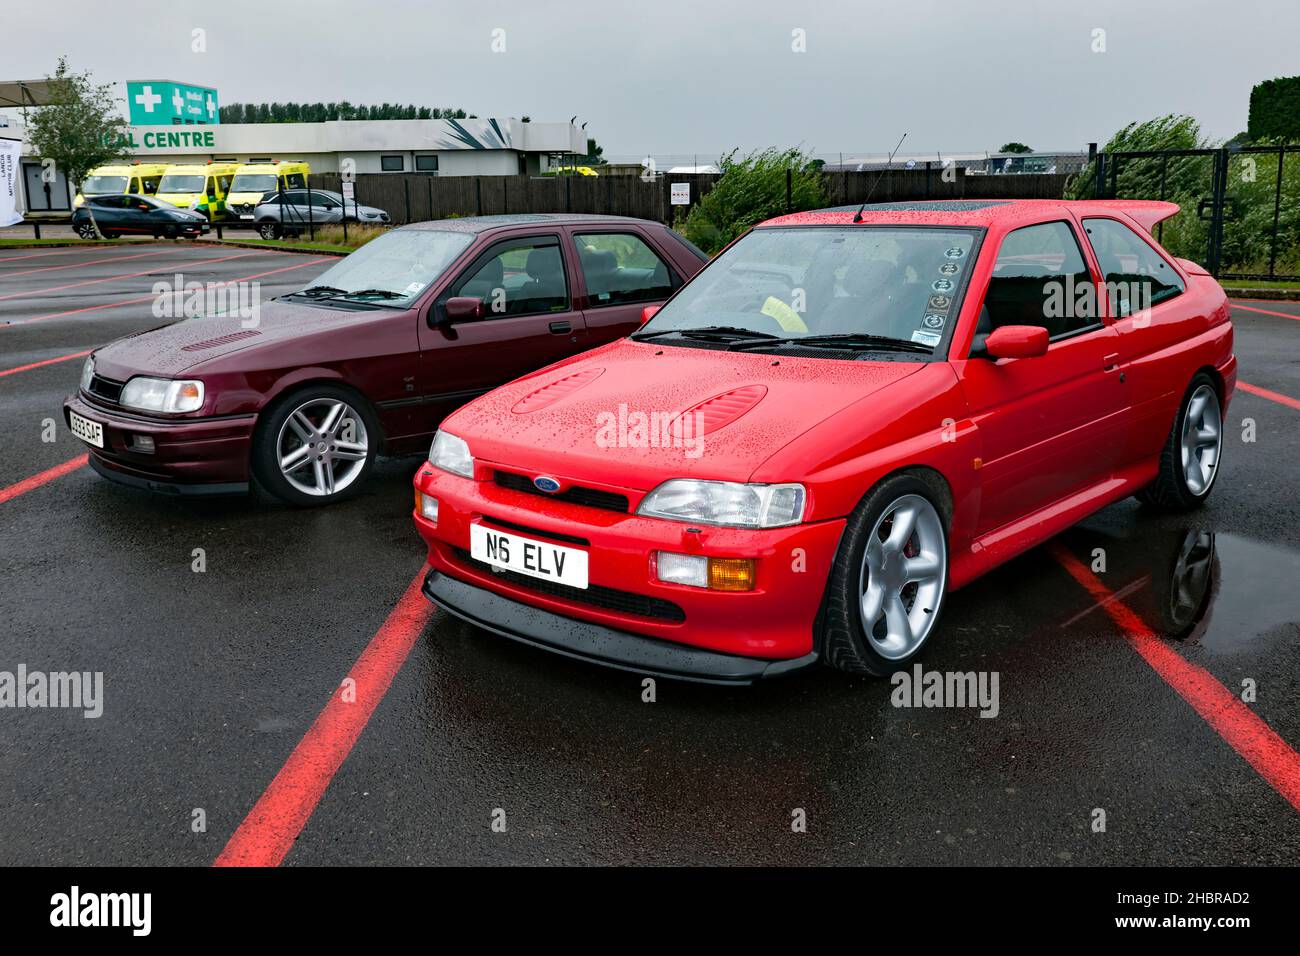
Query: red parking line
{"type": "Point", "coordinates": [1247, 308]}
{"type": "Point", "coordinates": [92, 262]}
{"type": "Point", "coordinates": [272, 826]}
{"type": "Point", "coordinates": [39, 255]}
{"type": "Point", "coordinates": [130, 275]}
{"type": "Point", "coordinates": [150, 298]}
{"type": "Point", "coordinates": [35, 481]}
{"type": "Point", "coordinates": [1265, 393]}
{"type": "Point", "coordinates": [61, 358]}
{"type": "Point", "coordinates": [1256, 742]}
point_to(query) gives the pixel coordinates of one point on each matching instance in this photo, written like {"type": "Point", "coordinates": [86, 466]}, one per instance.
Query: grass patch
{"type": "Point", "coordinates": [293, 244]}
{"type": "Point", "coordinates": [327, 239]}
{"type": "Point", "coordinates": [1258, 284]}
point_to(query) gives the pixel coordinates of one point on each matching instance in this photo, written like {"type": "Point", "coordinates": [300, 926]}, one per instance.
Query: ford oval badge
{"type": "Point", "coordinates": [547, 484]}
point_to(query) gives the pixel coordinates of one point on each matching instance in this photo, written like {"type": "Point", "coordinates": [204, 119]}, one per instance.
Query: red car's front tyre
{"type": "Point", "coordinates": [889, 581]}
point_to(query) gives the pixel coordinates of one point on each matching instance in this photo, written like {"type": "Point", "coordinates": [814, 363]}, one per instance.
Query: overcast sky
{"type": "Point", "coordinates": [669, 77]}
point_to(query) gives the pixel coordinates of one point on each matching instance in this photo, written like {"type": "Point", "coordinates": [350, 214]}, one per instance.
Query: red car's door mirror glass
{"type": "Point", "coordinates": [1017, 341]}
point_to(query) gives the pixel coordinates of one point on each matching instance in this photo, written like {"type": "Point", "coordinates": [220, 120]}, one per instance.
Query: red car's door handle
{"type": "Point", "coordinates": [1110, 362]}
{"type": "Point", "coordinates": [561, 328]}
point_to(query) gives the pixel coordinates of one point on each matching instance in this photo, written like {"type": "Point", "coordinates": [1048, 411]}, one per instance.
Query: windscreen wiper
{"type": "Point", "coordinates": [377, 294]}
{"type": "Point", "coordinates": [709, 333]}
{"type": "Point", "coordinates": [316, 291]}
{"type": "Point", "coordinates": [856, 341]}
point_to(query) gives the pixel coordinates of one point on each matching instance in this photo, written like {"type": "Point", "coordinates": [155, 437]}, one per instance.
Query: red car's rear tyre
{"type": "Point", "coordinates": [889, 581]}
{"type": "Point", "coordinates": [1190, 460]}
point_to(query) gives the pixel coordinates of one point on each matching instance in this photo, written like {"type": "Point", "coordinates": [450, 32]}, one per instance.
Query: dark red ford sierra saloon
{"type": "Point", "coordinates": [300, 397]}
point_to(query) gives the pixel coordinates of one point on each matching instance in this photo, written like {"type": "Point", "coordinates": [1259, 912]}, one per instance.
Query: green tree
{"type": "Point", "coordinates": [1015, 148]}
{"type": "Point", "coordinates": [595, 154]}
{"type": "Point", "coordinates": [1185, 178]}
{"type": "Point", "coordinates": [79, 129]}
{"type": "Point", "coordinates": [751, 189]}
{"type": "Point", "coordinates": [1275, 110]}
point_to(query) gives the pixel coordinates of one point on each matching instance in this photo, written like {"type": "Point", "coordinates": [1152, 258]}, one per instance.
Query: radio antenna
{"type": "Point", "coordinates": [857, 217]}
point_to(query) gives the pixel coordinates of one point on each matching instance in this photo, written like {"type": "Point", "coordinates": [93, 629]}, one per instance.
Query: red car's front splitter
{"type": "Point", "coordinates": [596, 643]}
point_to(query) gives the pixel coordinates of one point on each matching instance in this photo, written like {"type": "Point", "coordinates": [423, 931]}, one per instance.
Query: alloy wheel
{"type": "Point", "coordinates": [904, 572]}
{"type": "Point", "coordinates": [322, 447]}
{"type": "Point", "coordinates": [1201, 439]}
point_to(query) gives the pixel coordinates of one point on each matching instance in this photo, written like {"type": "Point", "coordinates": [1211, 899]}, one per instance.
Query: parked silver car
{"type": "Point", "coordinates": [290, 213]}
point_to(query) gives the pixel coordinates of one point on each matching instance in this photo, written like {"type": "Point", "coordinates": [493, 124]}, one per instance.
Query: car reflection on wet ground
{"type": "Point", "coordinates": [214, 681]}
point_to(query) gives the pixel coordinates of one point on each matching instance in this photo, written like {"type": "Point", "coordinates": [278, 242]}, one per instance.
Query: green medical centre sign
{"type": "Point", "coordinates": [165, 103]}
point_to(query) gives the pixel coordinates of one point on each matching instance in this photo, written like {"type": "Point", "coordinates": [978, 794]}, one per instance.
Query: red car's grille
{"type": "Point", "coordinates": [609, 599]}
{"type": "Point", "coordinates": [577, 495]}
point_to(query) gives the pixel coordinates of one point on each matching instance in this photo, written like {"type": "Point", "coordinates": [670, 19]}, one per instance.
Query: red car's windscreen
{"type": "Point", "coordinates": [894, 282]}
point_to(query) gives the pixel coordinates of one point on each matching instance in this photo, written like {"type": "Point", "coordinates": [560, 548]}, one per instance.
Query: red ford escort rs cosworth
{"type": "Point", "coordinates": [843, 417]}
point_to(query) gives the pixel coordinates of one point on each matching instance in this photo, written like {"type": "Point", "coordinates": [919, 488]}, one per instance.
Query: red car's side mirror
{"type": "Point", "coordinates": [463, 307]}
{"type": "Point", "coordinates": [648, 313]}
{"type": "Point", "coordinates": [1017, 341]}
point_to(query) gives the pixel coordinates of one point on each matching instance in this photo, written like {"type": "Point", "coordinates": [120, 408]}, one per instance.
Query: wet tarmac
{"type": "Point", "coordinates": [212, 679]}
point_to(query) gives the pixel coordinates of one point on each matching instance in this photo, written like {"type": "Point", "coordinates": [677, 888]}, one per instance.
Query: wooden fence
{"type": "Point", "coordinates": [415, 197]}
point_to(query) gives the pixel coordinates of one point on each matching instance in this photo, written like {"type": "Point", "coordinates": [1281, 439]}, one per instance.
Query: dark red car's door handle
{"type": "Point", "coordinates": [561, 328]}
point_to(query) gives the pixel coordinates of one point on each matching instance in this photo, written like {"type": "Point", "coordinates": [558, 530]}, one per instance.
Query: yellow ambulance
{"type": "Point", "coordinates": [202, 187]}
{"type": "Point", "coordinates": [255, 180]}
{"type": "Point", "coordinates": [140, 179]}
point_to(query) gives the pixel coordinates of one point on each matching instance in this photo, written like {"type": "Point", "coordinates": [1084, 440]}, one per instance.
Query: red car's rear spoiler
{"type": "Point", "coordinates": [1145, 212]}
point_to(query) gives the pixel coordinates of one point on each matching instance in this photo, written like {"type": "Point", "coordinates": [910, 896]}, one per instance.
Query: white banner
{"type": "Point", "coordinates": [10, 150]}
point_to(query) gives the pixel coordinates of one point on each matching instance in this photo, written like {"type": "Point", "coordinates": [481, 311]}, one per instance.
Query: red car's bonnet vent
{"type": "Point", "coordinates": [560, 388]}
{"type": "Point", "coordinates": [220, 340]}
{"type": "Point", "coordinates": [723, 409]}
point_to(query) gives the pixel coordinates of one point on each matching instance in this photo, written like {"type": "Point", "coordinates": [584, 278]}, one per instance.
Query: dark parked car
{"type": "Point", "coordinates": [370, 356]}
{"type": "Point", "coordinates": [292, 212]}
{"type": "Point", "coordinates": [140, 215]}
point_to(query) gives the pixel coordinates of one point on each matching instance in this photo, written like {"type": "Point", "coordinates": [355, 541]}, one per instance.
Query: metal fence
{"type": "Point", "coordinates": [413, 197]}
{"type": "Point", "coordinates": [1240, 212]}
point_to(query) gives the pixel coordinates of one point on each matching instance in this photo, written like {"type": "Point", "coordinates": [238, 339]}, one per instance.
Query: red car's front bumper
{"type": "Point", "coordinates": [627, 617]}
{"type": "Point", "coordinates": [190, 456]}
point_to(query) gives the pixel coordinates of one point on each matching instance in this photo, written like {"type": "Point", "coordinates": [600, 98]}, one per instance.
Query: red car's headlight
{"type": "Point", "coordinates": [727, 504]}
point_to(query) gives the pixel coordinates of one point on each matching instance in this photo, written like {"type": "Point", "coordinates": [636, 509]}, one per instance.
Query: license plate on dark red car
{"type": "Point", "coordinates": [86, 430]}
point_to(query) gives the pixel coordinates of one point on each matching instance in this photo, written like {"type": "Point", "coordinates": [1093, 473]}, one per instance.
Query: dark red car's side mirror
{"type": "Point", "coordinates": [463, 307]}
{"type": "Point", "coordinates": [1017, 341]}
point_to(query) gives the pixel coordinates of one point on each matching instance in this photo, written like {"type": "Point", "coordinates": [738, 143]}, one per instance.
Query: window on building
{"type": "Point", "coordinates": [391, 164]}
{"type": "Point", "coordinates": [426, 164]}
